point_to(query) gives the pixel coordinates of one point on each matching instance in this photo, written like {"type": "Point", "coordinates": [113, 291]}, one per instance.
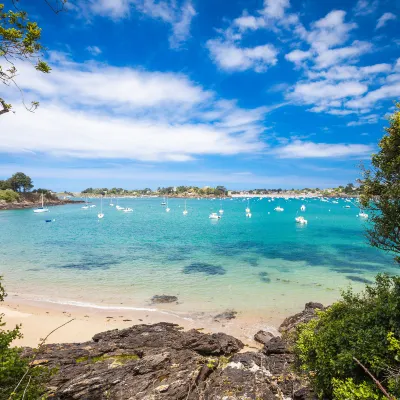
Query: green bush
{"type": "Point", "coordinates": [365, 326]}
{"type": "Point", "coordinates": [13, 368]}
{"type": "Point", "coordinates": [9, 195]}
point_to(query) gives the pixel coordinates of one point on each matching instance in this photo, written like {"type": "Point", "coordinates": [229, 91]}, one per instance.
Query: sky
{"type": "Point", "coordinates": [241, 93]}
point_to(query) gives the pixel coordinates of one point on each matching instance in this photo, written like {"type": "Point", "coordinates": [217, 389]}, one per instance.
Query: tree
{"type": "Point", "coordinates": [380, 190]}
{"type": "Point", "coordinates": [15, 382]}
{"type": "Point", "coordinates": [20, 182]}
{"type": "Point", "coordinates": [365, 326]}
{"type": "Point", "coordinates": [4, 185]}
{"type": "Point", "coordinates": [20, 41]}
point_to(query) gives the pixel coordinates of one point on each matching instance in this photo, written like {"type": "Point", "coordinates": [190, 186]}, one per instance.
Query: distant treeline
{"type": "Point", "coordinates": [170, 190]}
{"type": "Point", "coordinates": [219, 191]}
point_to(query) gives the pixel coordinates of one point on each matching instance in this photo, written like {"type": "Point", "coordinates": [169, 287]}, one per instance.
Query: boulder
{"type": "Point", "coordinates": [263, 337]}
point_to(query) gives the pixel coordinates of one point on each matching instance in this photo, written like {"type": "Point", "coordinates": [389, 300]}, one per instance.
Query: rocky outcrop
{"type": "Point", "coordinates": [161, 361]}
{"type": "Point", "coordinates": [309, 312]}
{"type": "Point", "coordinates": [24, 203]}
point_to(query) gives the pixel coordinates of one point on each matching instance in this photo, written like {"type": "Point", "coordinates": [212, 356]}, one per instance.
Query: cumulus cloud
{"type": "Point", "coordinates": [330, 31]}
{"type": "Point", "coordinates": [231, 56]}
{"type": "Point", "coordinates": [388, 16]}
{"type": "Point", "coordinates": [99, 111]}
{"type": "Point", "coordinates": [301, 149]}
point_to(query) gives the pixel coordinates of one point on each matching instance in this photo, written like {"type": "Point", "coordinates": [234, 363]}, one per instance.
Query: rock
{"type": "Point", "coordinates": [161, 388]}
{"type": "Point", "coordinates": [160, 299]}
{"type": "Point", "coordinates": [227, 316]}
{"type": "Point", "coordinates": [263, 337]}
{"type": "Point", "coordinates": [309, 313]}
{"type": "Point", "coordinates": [276, 346]}
{"type": "Point", "coordinates": [160, 361]}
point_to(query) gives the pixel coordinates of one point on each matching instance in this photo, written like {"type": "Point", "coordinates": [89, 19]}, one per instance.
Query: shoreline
{"type": "Point", "coordinates": [38, 318]}
{"type": "Point", "coordinates": [27, 205]}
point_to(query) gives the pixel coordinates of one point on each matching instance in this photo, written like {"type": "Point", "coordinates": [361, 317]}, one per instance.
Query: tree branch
{"type": "Point", "coordinates": [377, 383]}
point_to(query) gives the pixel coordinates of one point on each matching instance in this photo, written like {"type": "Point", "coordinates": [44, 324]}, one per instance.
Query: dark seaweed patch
{"type": "Point", "coordinates": [358, 279]}
{"type": "Point", "coordinates": [89, 262]}
{"type": "Point", "coordinates": [264, 277]}
{"type": "Point", "coordinates": [204, 268]}
{"type": "Point", "coordinates": [348, 270]}
{"type": "Point", "coordinates": [252, 261]}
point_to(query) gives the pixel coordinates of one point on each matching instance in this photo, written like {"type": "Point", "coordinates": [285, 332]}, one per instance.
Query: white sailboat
{"type": "Point", "coordinates": [221, 211]}
{"type": "Point", "coordinates": [279, 209]}
{"type": "Point", "coordinates": [127, 210]}
{"type": "Point", "coordinates": [301, 220]}
{"type": "Point", "coordinates": [163, 203]}
{"type": "Point", "coordinates": [118, 207]}
{"type": "Point", "coordinates": [86, 206]}
{"type": "Point", "coordinates": [303, 208]}
{"type": "Point", "coordinates": [41, 209]}
{"type": "Point", "coordinates": [214, 216]}
{"type": "Point", "coordinates": [100, 214]}
{"type": "Point", "coordinates": [167, 209]}
{"type": "Point", "coordinates": [111, 202]}
{"type": "Point", "coordinates": [362, 214]}
{"type": "Point", "coordinates": [247, 208]}
{"type": "Point", "coordinates": [185, 211]}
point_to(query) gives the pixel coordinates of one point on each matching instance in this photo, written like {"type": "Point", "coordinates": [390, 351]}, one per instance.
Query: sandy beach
{"type": "Point", "coordinates": [38, 319]}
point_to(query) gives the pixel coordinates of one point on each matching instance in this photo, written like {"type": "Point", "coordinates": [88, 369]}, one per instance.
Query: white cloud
{"type": "Point", "coordinates": [323, 91]}
{"type": "Point", "coordinates": [86, 135]}
{"type": "Point", "coordinates": [388, 16]}
{"type": "Point", "coordinates": [350, 72]}
{"type": "Point", "coordinates": [249, 22]}
{"type": "Point", "coordinates": [94, 50]}
{"type": "Point", "coordinates": [297, 56]}
{"type": "Point", "coordinates": [104, 112]}
{"type": "Point", "coordinates": [300, 149]}
{"type": "Point", "coordinates": [365, 119]}
{"type": "Point", "coordinates": [334, 56]}
{"type": "Point", "coordinates": [181, 28]}
{"type": "Point", "coordinates": [275, 8]}
{"type": "Point", "coordinates": [98, 84]}
{"type": "Point", "coordinates": [389, 91]}
{"type": "Point", "coordinates": [230, 56]}
{"type": "Point", "coordinates": [330, 31]}
{"type": "Point", "coordinates": [365, 7]}
{"type": "Point", "coordinates": [177, 14]}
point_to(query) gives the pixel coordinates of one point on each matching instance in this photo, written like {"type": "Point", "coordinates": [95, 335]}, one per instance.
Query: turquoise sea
{"type": "Point", "coordinates": [260, 265]}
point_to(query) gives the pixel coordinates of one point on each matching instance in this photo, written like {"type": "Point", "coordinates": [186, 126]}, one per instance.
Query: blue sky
{"type": "Point", "coordinates": [273, 93]}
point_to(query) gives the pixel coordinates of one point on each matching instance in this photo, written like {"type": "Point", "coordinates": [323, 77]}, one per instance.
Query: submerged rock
{"type": "Point", "coordinates": [358, 279]}
{"type": "Point", "coordinates": [226, 316]}
{"type": "Point", "coordinates": [160, 299]}
{"type": "Point", "coordinates": [204, 268]}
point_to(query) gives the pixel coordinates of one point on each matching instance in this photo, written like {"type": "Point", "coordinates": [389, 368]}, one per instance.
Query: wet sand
{"type": "Point", "coordinates": [38, 319]}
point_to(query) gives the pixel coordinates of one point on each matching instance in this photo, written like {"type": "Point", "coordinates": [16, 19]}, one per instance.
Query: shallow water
{"type": "Point", "coordinates": [252, 265]}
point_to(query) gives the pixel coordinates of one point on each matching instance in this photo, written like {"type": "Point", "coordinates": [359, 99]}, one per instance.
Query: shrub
{"type": "Point", "coordinates": [9, 195]}
{"type": "Point", "coordinates": [13, 367]}
{"type": "Point", "coordinates": [365, 326]}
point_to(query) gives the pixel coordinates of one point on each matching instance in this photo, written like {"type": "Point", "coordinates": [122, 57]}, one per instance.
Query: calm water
{"type": "Point", "coordinates": [253, 265]}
